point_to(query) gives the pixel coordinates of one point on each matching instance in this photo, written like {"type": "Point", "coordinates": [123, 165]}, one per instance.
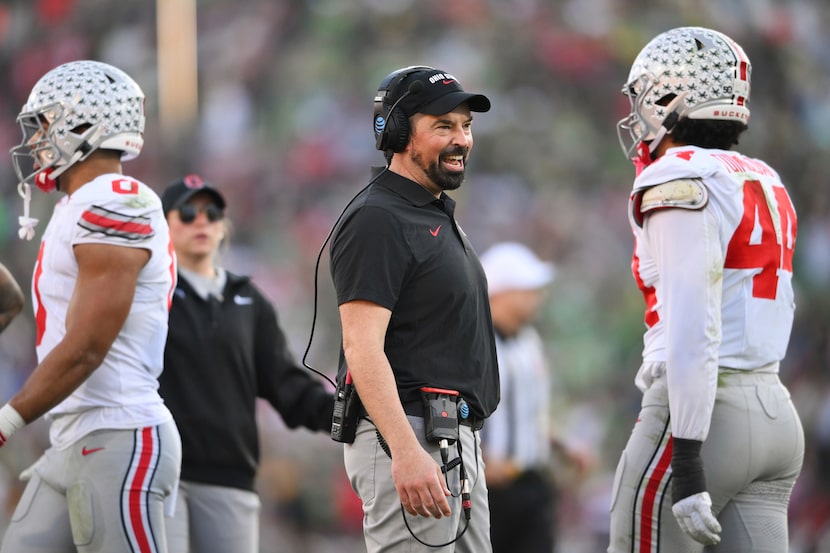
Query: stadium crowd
{"type": "Point", "coordinates": [283, 127]}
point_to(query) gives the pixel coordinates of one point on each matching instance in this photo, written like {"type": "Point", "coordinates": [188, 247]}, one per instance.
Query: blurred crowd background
{"type": "Point", "coordinates": [283, 127]}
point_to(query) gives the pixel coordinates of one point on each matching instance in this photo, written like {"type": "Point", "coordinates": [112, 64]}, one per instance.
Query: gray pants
{"type": "Point", "coordinates": [751, 458]}
{"type": "Point", "coordinates": [104, 494]}
{"type": "Point", "coordinates": [384, 527]}
{"type": "Point", "coordinates": [214, 518]}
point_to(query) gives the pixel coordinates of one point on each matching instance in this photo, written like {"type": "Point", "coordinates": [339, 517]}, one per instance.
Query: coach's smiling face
{"type": "Point", "coordinates": [436, 156]}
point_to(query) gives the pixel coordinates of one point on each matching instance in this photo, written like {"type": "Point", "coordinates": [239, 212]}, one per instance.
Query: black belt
{"type": "Point", "coordinates": [416, 409]}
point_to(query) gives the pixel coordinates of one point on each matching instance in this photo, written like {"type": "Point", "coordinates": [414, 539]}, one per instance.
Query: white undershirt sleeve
{"type": "Point", "coordinates": [689, 257]}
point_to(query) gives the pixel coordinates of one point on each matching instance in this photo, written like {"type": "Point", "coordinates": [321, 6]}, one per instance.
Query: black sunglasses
{"type": "Point", "coordinates": [188, 213]}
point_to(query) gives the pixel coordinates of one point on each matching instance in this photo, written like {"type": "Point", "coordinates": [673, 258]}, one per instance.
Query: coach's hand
{"type": "Point", "coordinates": [692, 505]}
{"type": "Point", "coordinates": [694, 515]}
{"type": "Point", "coordinates": [420, 483]}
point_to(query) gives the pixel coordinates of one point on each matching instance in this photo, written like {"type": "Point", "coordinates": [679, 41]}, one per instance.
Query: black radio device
{"type": "Point", "coordinates": [440, 414]}
{"type": "Point", "coordinates": [346, 411]}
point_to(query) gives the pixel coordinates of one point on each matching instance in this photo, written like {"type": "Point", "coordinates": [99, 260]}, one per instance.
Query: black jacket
{"type": "Point", "coordinates": [220, 357]}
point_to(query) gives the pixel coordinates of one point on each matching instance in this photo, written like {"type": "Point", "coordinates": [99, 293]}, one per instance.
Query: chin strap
{"type": "Point", "coordinates": [643, 158]}
{"type": "Point", "coordinates": [27, 224]}
{"type": "Point", "coordinates": [645, 150]}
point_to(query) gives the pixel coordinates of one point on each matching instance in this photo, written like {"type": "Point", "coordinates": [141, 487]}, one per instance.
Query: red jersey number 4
{"type": "Point", "coordinates": [758, 243]}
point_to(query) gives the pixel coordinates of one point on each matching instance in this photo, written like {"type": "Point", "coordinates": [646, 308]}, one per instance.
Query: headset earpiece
{"type": "Point", "coordinates": [396, 133]}
{"type": "Point", "coordinates": [392, 125]}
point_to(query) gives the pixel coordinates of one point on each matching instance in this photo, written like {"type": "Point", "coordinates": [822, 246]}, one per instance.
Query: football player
{"type": "Point", "coordinates": [101, 291]}
{"type": "Point", "coordinates": [717, 445]}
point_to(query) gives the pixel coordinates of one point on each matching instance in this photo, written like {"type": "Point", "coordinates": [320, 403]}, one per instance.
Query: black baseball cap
{"type": "Point", "coordinates": [439, 93]}
{"type": "Point", "coordinates": [181, 190]}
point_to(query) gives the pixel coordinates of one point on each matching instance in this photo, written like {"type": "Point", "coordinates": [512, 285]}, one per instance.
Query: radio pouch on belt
{"type": "Point", "coordinates": [440, 414]}
{"type": "Point", "coordinates": [346, 411]}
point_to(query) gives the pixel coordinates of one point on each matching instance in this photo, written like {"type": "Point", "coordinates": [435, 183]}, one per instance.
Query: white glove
{"type": "Point", "coordinates": [694, 515]}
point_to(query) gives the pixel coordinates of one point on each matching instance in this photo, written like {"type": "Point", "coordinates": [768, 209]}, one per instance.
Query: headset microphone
{"type": "Point", "coordinates": [415, 88]}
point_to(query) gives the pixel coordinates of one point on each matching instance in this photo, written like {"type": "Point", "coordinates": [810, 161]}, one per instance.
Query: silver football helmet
{"type": "Point", "coordinates": [685, 72]}
{"type": "Point", "coordinates": [73, 110]}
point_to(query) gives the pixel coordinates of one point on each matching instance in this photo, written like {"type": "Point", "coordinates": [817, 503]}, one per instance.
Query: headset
{"type": "Point", "coordinates": [391, 125]}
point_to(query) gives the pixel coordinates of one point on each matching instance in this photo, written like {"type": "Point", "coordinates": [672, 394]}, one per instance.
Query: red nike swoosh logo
{"type": "Point", "coordinates": [86, 451]}
{"type": "Point", "coordinates": [436, 231]}
{"type": "Point", "coordinates": [445, 81]}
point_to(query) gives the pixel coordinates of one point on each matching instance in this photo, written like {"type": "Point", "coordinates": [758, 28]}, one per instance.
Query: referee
{"type": "Point", "coordinates": [414, 312]}
{"type": "Point", "coordinates": [518, 441]}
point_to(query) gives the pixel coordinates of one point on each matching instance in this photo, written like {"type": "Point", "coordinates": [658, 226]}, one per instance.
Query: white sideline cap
{"type": "Point", "coordinates": [513, 266]}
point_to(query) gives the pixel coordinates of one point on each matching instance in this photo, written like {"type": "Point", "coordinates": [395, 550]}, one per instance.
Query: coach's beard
{"type": "Point", "coordinates": [448, 179]}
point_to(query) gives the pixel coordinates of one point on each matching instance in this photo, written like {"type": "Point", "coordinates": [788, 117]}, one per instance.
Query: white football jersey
{"type": "Point", "coordinates": [123, 391]}
{"type": "Point", "coordinates": [717, 281]}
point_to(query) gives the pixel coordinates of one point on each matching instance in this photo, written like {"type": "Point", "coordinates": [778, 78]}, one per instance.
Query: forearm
{"type": "Point", "coordinates": [53, 380]}
{"type": "Point", "coordinates": [301, 401]}
{"type": "Point", "coordinates": [375, 384]}
{"type": "Point", "coordinates": [364, 330]}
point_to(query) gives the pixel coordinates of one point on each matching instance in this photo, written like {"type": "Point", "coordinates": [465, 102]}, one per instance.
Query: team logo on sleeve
{"type": "Point", "coordinates": [111, 223]}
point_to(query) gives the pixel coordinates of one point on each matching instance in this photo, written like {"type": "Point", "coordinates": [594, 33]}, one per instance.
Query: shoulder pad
{"type": "Point", "coordinates": [684, 193]}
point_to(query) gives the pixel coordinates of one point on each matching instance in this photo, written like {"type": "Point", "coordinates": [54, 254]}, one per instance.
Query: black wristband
{"type": "Point", "coordinates": [687, 469]}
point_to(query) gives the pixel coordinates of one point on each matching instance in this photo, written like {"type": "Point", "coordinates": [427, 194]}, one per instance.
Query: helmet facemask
{"type": "Point", "coordinates": [43, 156]}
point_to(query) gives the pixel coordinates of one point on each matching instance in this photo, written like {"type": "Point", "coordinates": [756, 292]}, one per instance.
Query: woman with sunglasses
{"type": "Point", "coordinates": [224, 349]}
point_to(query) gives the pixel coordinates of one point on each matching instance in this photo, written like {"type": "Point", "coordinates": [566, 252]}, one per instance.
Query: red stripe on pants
{"type": "Point", "coordinates": [647, 525]}
{"type": "Point", "coordinates": [137, 505]}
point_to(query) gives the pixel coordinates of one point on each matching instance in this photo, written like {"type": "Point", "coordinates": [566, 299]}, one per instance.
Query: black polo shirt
{"type": "Point", "coordinates": [398, 246]}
